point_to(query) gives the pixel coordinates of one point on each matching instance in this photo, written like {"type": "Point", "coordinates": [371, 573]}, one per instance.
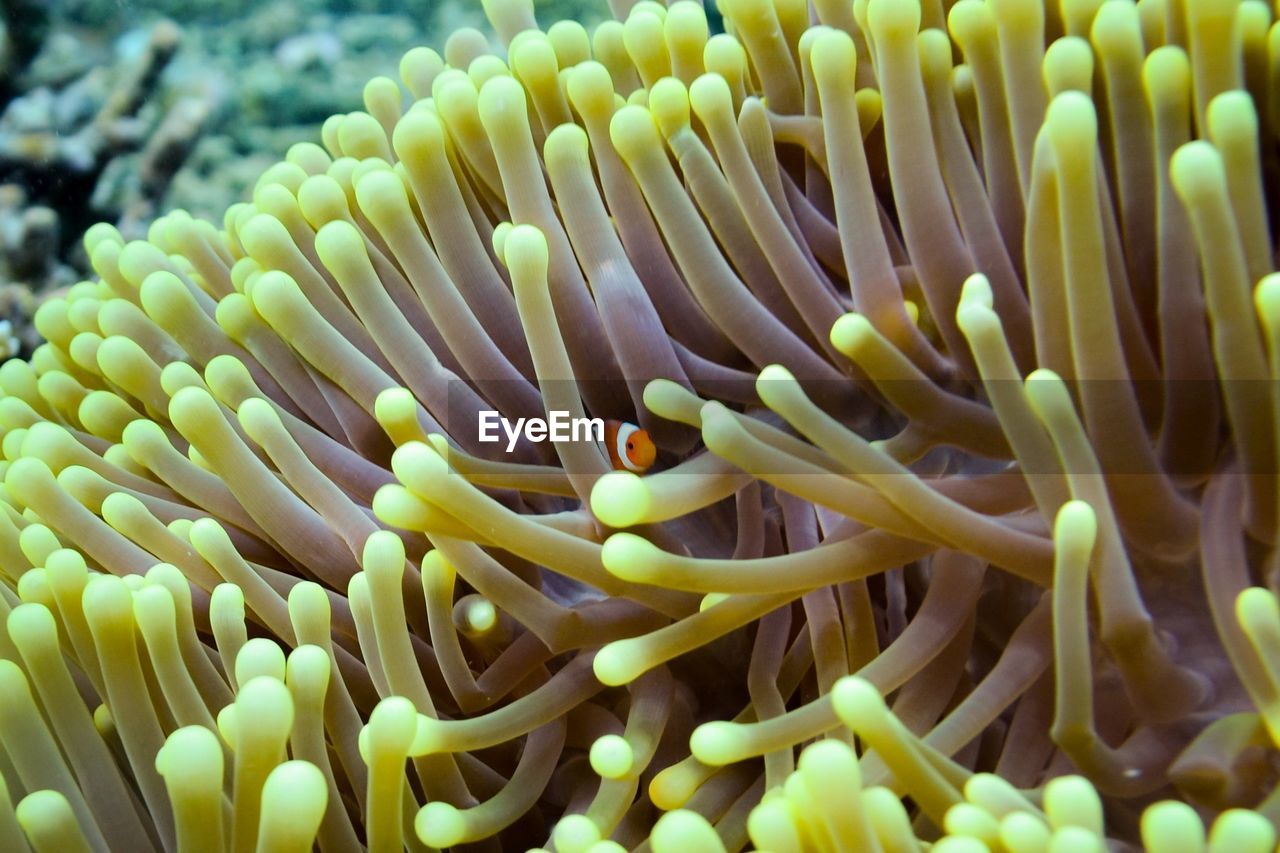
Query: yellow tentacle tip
{"type": "Point", "coordinates": [1068, 66]}
{"type": "Point", "coordinates": [966, 820]}
{"type": "Point", "coordinates": [394, 728]}
{"type": "Point", "coordinates": [383, 554]}
{"type": "Point", "coordinates": [619, 662]}
{"type": "Point", "coordinates": [857, 702]}
{"type": "Point", "coordinates": [893, 18]}
{"type": "Point", "coordinates": [261, 658]}
{"type": "Point", "coordinates": [1072, 801]}
{"type": "Point", "coordinates": [612, 757]}
{"type": "Point", "coordinates": [669, 102]}
{"type": "Point", "coordinates": [684, 831]}
{"type": "Point", "coordinates": [772, 825]}
{"type": "Point", "coordinates": [630, 557]}
{"type": "Point", "coordinates": [976, 292]}
{"type": "Point", "coordinates": [1076, 523]}
{"type": "Point", "coordinates": [190, 755]}
{"type": "Point", "coordinates": [294, 798]}
{"type": "Point", "coordinates": [1022, 831]}
{"type": "Point", "coordinates": [634, 133]}
{"type": "Point", "coordinates": [718, 743]}
{"type": "Point", "coordinates": [417, 465]}
{"type": "Point", "coordinates": [1072, 123]}
{"type": "Point", "coordinates": [1257, 611]}
{"type": "Point", "coordinates": [1242, 831]}
{"type": "Point", "coordinates": [851, 332]}
{"type": "Point", "coordinates": [501, 100]}
{"type": "Point", "coordinates": [1197, 171]}
{"type": "Point", "coordinates": [568, 142]}
{"type": "Point", "coordinates": [575, 833]}
{"type": "Point", "coordinates": [1266, 299]}
{"type": "Point", "coordinates": [970, 20]}
{"type": "Point", "coordinates": [709, 95]}
{"type": "Point", "coordinates": [1166, 73]}
{"type": "Point", "coordinates": [1172, 825]}
{"type": "Point", "coordinates": [621, 499]}
{"type": "Point", "coordinates": [525, 248]}
{"type": "Point", "coordinates": [1046, 393]}
{"type": "Point", "coordinates": [775, 374]}
{"type": "Point", "coordinates": [1232, 115]}
{"type": "Point", "coordinates": [50, 824]}
{"type": "Point", "coordinates": [831, 762]}
{"type": "Point", "coordinates": [833, 55]}
{"type": "Point", "coordinates": [440, 825]}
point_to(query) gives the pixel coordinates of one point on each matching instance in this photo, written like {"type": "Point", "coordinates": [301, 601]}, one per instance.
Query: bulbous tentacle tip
{"type": "Point", "coordinates": [294, 798]}
{"type": "Point", "coordinates": [191, 754]}
{"type": "Point", "coordinates": [499, 241]}
{"type": "Point", "coordinates": [1171, 823]}
{"type": "Point", "coordinates": [851, 332]}
{"type": "Point", "coordinates": [831, 762]}
{"type": "Point", "coordinates": [1258, 612]}
{"type": "Point", "coordinates": [683, 831]}
{"type": "Point", "coordinates": [575, 832]}
{"type": "Point", "coordinates": [502, 99]}
{"type": "Point", "coordinates": [669, 103]}
{"type": "Point", "coordinates": [630, 557]}
{"type": "Point", "coordinates": [969, 21]}
{"type": "Point", "coordinates": [108, 603]}
{"type": "Point", "coordinates": [525, 250]}
{"type": "Point", "coordinates": [620, 499]}
{"type": "Point", "coordinates": [1197, 171]}
{"type": "Point", "coordinates": [383, 554]}
{"type": "Point", "coordinates": [774, 373]}
{"type": "Point", "coordinates": [718, 743]}
{"type": "Point", "coordinates": [1072, 123]}
{"type": "Point", "coordinates": [228, 722]}
{"type": "Point", "coordinates": [1073, 801]}
{"type": "Point", "coordinates": [619, 663]}
{"type": "Point", "coordinates": [567, 142]}
{"type": "Point", "coordinates": [1267, 294]}
{"type": "Point", "coordinates": [396, 728]}
{"type": "Point", "coordinates": [976, 291]}
{"type": "Point", "coordinates": [1244, 830]}
{"type": "Point", "coordinates": [935, 53]}
{"type": "Point", "coordinates": [857, 702]}
{"type": "Point", "coordinates": [634, 133]}
{"type": "Point", "coordinates": [394, 505]}
{"type": "Point", "coordinates": [893, 19]}
{"type": "Point", "coordinates": [1076, 523]}
{"type": "Point", "coordinates": [611, 757]}
{"type": "Point", "coordinates": [440, 825]}
{"type": "Point", "coordinates": [1024, 831]}
{"type": "Point", "coordinates": [710, 93]}
{"type": "Point", "coordinates": [31, 623]}
{"type": "Point", "coordinates": [417, 465]}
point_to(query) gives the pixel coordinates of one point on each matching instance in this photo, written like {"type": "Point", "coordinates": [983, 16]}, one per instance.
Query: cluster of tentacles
{"type": "Point", "coordinates": [963, 525]}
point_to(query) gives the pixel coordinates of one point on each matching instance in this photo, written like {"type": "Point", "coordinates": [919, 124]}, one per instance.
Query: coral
{"type": "Point", "coordinates": [962, 530]}
{"type": "Point", "coordinates": [73, 125]}
{"type": "Point", "coordinates": [54, 143]}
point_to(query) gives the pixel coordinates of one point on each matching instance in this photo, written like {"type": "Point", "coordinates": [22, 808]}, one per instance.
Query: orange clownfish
{"type": "Point", "coordinates": [629, 447]}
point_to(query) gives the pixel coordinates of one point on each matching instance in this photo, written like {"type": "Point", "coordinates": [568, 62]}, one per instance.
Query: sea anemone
{"type": "Point", "coordinates": [963, 520]}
